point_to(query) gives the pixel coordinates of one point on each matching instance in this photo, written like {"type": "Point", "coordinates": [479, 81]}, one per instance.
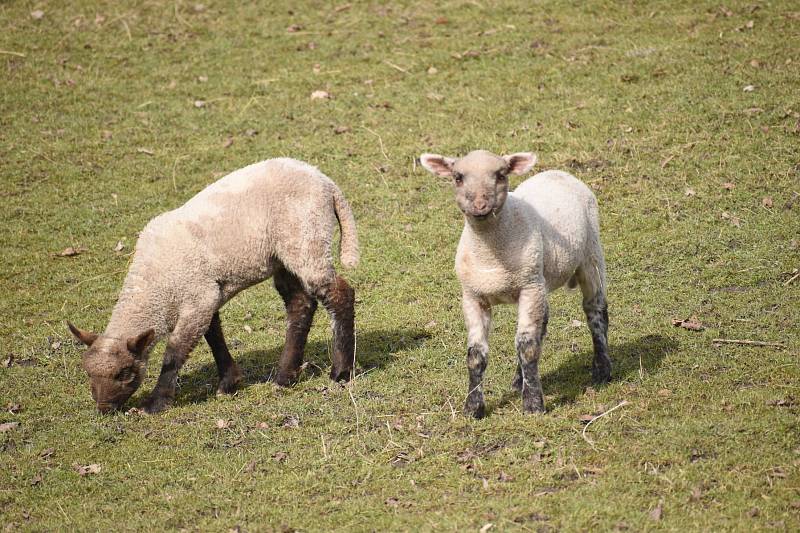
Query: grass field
{"type": "Point", "coordinates": [684, 117]}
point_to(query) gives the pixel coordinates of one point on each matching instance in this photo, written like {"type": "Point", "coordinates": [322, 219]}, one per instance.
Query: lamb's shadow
{"type": "Point", "coordinates": [375, 349]}
{"type": "Point", "coordinates": [564, 384]}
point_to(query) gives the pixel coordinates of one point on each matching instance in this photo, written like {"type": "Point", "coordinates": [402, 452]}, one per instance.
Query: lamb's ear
{"type": "Point", "coordinates": [438, 165]}
{"type": "Point", "coordinates": [86, 337]}
{"type": "Point", "coordinates": [520, 163]}
{"type": "Point", "coordinates": [138, 344]}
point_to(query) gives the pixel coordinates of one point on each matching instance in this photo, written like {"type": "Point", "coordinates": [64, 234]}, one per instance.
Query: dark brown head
{"type": "Point", "coordinates": [480, 178]}
{"type": "Point", "coordinates": [116, 367]}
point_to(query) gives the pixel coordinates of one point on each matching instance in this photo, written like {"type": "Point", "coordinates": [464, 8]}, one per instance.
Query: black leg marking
{"type": "Point", "coordinates": [516, 384]}
{"type": "Point", "coordinates": [529, 349]}
{"type": "Point", "coordinates": [477, 359]}
{"type": "Point", "coordinates": [300, 309]}
{"type": "Point", "coordinates": [596, 311]}
{"type": "Point", "coordinates": [339, 299]}
{"type": "Point", "coordinates": [229, 373]}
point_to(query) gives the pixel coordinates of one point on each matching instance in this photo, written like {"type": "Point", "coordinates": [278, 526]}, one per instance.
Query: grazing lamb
{"type": "Point", "coordinates": [275, 219]}
{"type": "Point", "coordinates": [516, 248]}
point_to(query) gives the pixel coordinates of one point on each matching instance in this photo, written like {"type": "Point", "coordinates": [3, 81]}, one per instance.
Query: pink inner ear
{"type": "Point", "coordinates": [520, 163]}
{"type": "Point", "coordinates": [437, 164]}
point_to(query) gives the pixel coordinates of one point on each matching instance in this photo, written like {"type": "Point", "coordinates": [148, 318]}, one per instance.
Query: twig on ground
{"type": "Point", "coordinates": [583, 433]}
{"type": "Point", "coordinates": [9, 52]}
{"type": "Point", "coordinates": [746, 342]}
{"type": "Point", "coordinates": [380, 141]}
{"type": "Point", "coordinates": [401, 69]}
{"type": "Point", "coordinates": [790, 280]}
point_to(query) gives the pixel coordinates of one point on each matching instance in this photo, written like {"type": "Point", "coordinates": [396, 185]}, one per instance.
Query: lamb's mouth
{"type": "Point", "coordinates": [482, 216]}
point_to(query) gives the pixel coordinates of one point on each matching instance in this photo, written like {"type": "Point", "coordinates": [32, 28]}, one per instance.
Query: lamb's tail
{"type": "Point", "coordinates": [347, 223]}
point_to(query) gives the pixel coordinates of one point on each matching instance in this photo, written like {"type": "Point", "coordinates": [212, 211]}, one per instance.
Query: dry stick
{"type": "Point", "coordinates": [583, 433]}
{"type": "Point", "coordinates": [401, 69]}
{"type": "Point", "coordinates": [380, 141]}
{"type": "Point", "coordinates": [748, 342]}
{"type": "Point", "coordinates": [9, 52]}
{"type": "Point", "coordinates": [790, 280]}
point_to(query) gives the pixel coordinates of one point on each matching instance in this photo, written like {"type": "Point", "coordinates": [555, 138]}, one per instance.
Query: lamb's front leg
{"type": "Point", "coordinates": [478, 318]}
{"type": "Point", "coordinates": [181, 342]}
{"type": "Point", "coordinates": [531, 328]}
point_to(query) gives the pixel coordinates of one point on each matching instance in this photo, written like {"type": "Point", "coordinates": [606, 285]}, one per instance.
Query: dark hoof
{"type": "Point", "coordinates": [286, 379]}
{"type": "Point", "coordinates": [475, 410]}
{"type": "Point", "coordinates": [532, 404]}
{"type": "Point", "coordinates": [155, 404]}
{"type": "Point", "coordinates": [341, 375]}
{"type": "Point", "coordinates": [230, 382]}
{"type": "Point", "coordinates": [601, 373]}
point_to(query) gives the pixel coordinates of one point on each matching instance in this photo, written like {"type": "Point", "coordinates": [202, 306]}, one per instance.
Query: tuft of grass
{"type": "Point", "coordinates": [103, 128]}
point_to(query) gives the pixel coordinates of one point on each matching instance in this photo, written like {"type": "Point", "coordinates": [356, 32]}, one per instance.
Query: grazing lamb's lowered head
{"type": "Point", "coordinates": [480, 178]}
{"type": "Point", "coordinates": [116, 367]}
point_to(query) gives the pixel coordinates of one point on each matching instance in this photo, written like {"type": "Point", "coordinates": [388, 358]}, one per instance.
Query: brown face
{"type": "Point", "coordinates": [116, 367]}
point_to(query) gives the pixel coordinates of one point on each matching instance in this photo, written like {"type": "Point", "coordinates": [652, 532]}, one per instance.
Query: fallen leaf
{"type": "Point", "coordinates": [504, 478]}
{"type": "Point", "coordinates": [56, 345]}
{"type": "Point", "coordinates": [248, 329]}
{"type": "Point", "coordinates": [280, 456]}
{"type": "Point", "coordinates": [145, 151]}
{"type": "Point", "coordinates": [392, 502]}
{"type": "Point", "coordinates": [37, 15]}
{"type": "Point", "coordinates": [46, 454]}
{"type": "Point", "coordinates": [586, 418]}
{"type": "Point", "coordinates": [251, 466]}
{"type": "Point", "coordinates": [338, 130]}
{"type": "Point", "coordinates": [251, 132]}
{"type": "Point", "coordinates": [656, 513]}
{"type": "Point", "coordinates": [750, 24]}
{"type": "Point", "coordinates": [87, 470]}
{"type": "Point", "coordinates": [767, 202]}
{"type": "Point", "coordinates": [291, 422]}
{"type": "Point", "coordinates": [432, 70]}
{"type": "Point", "coordinates": [8, 426]}
{"type": "Point", "coordinates": [732, 218]}
{"type": "Point", "coordinates": [222, 424]}
{"type": "Point", "coordinates": [202, 79]}
{"type": "Point", "coordinates": [35, 480]}
{"type": "Point", "coordinates": [692, 323]}
{"type": "Point", "coordinates": [749, 88]}
{"type": "Point", "coordinates": [106, 134]}
{"type": "Point", "coordinates": [664, 393]}
{"type": "Point", "coordinates": [294, 28]}
{"type": "Point", "coordinates": [689, 192]}
{"type": "Point", "coordinates": [755, 63]}
{"type": "Point", "coordinates": [576, 323]}
{"type": "Point", "coordinates": [728, 186]}
{"type": "Point", "coordinates": [13, 408]}
{"type": "Point", "coordinates": [69, 251]}
{"type": "Point", "coordinates": [753, 512]}
{"type": "Point", "coordinates": [441, 20]}
{"type": "Point", "coordinates": [119, 247]}
{"type": "Point", "coordinates": [227, 143]}
{"type": "Point", "coordinates": [199, 103]}
{"type": "Point", "coordinates": [320, 95]}
{"type": "Point", "coordinates": [262, 425]}
{"type": "Point", "coordinates": [486, 527]}
{"type": "Point", "coordinates": [696, 494]}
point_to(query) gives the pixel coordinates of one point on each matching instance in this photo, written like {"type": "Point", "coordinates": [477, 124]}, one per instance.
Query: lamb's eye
{"type": "Point", "coordinates": [458, 178]}
{"type": "Point", "coordinates": [500, 176]}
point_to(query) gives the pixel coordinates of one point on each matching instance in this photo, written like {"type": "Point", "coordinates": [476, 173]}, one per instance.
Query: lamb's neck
{"type": "Point", "coordinates": [138, 309]}
{"type": "Point", "coordinates": [497, 232]}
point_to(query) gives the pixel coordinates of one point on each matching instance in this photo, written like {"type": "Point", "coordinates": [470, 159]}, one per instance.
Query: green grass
{"type": "Point", "coordinates": [640, 100]}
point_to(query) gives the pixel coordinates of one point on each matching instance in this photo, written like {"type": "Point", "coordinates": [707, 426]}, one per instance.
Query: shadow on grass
{"type": "Point", "coordinates": [564, 384]}
{"type": "Point", "coordinates": [375, 349]}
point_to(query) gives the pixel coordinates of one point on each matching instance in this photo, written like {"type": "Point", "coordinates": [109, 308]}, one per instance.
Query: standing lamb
{"type": "Point", "coordinates": [275, 219]}
{"type": "Point", "coordinates": [516, 248]}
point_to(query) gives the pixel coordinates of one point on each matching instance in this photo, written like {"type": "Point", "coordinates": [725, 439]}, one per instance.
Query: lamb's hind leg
{"type": "Point", "coordinates": [596, 308]}
{"type": "Point", "coordinates": [339, 299]}
{"type": "Point", "coordinates": [478, 318]}
{"type": "Point", "coordinates": [229, 373]}
{"type": "Point", "coordinates": [531, 329]}
{"type": "Point", "coordinates": [300, 309]}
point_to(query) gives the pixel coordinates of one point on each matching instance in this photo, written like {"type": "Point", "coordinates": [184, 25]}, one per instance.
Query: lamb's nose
{"type": "Point", "coordinates": [479, 204]}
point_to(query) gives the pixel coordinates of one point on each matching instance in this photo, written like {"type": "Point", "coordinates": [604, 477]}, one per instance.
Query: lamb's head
{"type": "Point", "coordinates": [480, 178]}
{"type": "Point", "coordinates": [116, 367]}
